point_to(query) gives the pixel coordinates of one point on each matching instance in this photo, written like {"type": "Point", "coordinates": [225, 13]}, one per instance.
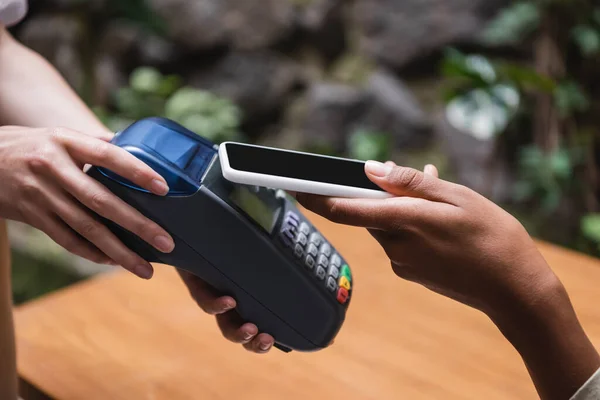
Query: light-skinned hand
{"type": "Point", "coordinates": [43, 185]}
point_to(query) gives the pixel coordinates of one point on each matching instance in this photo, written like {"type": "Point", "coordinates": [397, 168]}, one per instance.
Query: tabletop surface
{"type": "Point", "coordinates": [118, 337]}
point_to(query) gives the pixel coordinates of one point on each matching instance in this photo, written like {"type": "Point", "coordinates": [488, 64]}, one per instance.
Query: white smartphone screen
{"type": "Point", "coordinates": [295, 165]}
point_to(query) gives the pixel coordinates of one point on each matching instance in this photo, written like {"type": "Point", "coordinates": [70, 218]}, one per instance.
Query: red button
{"type": "Point", "coordinates": [342, 296]}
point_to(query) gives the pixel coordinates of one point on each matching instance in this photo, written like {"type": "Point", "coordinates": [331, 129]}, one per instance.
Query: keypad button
{"type": "Point", "coordinates": [331, 285]}
{"type": "Point", "coordinates": [298, 251]}
{"type": "Point", "coordinates": [304, 228]}
{"type": "Point", "coordinates": [312, 250]}
{"type": "Point", "coordinates": [346, 272]}
{"type": "Point", "coordinates": [344, 282]}
{"type": "Point", "coordinates": [302, 239]}
{"type": "Point", "coordinates": [316, 239]}
{"type": "Point", "coordinates": [334, 272]}
{"type": "Point", "coordinates": [324, 261]}
{"type": "Point", "coordinates": [336, 260]}
{"type": "Point", "coordinates": [320, 272]}
{"type": "Point", "coordinates": [326, 249]}
{"type": "Point", "coordinates": [310, 261]}
{"type": "Point", "coordinates": [342, 296]}
{"type": "Point", "coordinates": [287, 237]}
{"type": "Point", "coordinates": [293, 217]}
{"type": "Point", "coordinates": [292, 222]}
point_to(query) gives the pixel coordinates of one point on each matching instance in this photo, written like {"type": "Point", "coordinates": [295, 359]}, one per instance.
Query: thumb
{"type": "Point", "coordinates": [403, 181]}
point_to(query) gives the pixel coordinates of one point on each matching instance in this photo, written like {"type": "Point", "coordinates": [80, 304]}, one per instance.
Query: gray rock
{"type": "Point", "coordinates": [390, 107]}
{"type": "Point", "coordinates": [155, 50]}
{"type": "Point", "coordinates": [58, 39]}
{"type": "Point", "coordinates": [132, 46]}
{"type": "Point", "coordinates": [385, 105]}
{"type": "Point", "coordinates": [474, 162]}
{"type": "Point", "coordinates": [196, 24]}
{"type": "Point", "coordinates": [119, 39]}
{"type": "Point", "coordinates": [331, 109]}
{"type": "Point", "coordinates": [324, 22]}
{"type": "Point", "coordinates": [244, 24]}
{"type": "Point", "coordinates": [72, 4]}
{"type": "Point", "coordinates": [398, 32]}
{"type": "Point", "coordinates": [258, 82]}
{"type": "Point", "coordinates": [255, 24]}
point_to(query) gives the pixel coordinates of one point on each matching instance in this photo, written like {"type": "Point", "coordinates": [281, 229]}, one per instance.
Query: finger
{"type": "Point", "coordinates": [100, 200]}
{"type": "Point", "coordinates": [105, 136]}
{"type": "Point", "coordinates": [386, 214]}
{"type": "Point", "coordinates": [402, 181]}
{"type": "Point", "coordinates": [97, 234]}
{"type": "Point", "coordinates": [99, 153]}
{"type": "Point", "coordinates": [65, 237]}
{"type": "Point", "coordinates": [390, 163]}
{"type": "Point", "coordinates": [205, 296]}
{"type": "Point", "coordinates": [234, 329]}
{"type": "Point", "coordinates": [260, 344]}
{"type": "Point", "coordinates": [432, 170]}
{"type": "Point", "coordinates": [73, 243]}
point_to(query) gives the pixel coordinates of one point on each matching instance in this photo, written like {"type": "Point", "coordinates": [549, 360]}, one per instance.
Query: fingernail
{"type": "Point", "coordinates": [160, 187]}
{"type": "Point", "coordinates": [378, 169]}
{"type": "Point", "coordinates": [229, 305]}
{"type": "Point", "coordinates": [143, 271]}
{"type": "Point", "coordinates": [264, 346]}
{"type": "Point", "coordinates": [248, 335]}
{"type": "Point", "coordinates": [164, 244]}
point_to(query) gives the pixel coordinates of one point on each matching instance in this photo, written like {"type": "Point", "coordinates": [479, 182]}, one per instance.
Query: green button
{"type": "Point", "coordinates": [346, 272]}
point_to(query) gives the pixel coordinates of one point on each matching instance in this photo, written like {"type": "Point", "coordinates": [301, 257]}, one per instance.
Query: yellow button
{"type": "Point", "coordinates": [345, 283]}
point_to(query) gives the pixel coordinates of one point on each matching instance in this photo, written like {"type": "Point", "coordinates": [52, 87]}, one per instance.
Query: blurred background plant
{"type": "Point", "coordinates": [547, 117]}
{"type": "Point", "coordinates": [503, 98]}
{"type": "Point", "coordinates": [151, 94]}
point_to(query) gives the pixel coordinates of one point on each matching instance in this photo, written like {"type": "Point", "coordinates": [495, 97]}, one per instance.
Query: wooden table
{"type": "Point", "coordinates": [118, 337]}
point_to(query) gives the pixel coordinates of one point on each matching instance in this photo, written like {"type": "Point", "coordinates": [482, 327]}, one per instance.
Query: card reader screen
{"type": "Point", "coordinates": [256, 205]}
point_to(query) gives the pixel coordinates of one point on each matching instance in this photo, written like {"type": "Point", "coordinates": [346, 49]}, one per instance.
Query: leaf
{"type": "Point", "coordinates": [146, 80]}
{"type": "Point", "coordinates": [570, 99]}
{"type": "Point", "coordinates": [513, 24]}
{"type": "Point", "coordinates": [551, 200]}
{"type": "Point", "coordinates": [561, 165]}
{"type": "Point", "coordinates": [475, 69]}
{"type": "Point", "coordinates": [596, 15]}
{"type": "Point", "coordinates": [169, 85]}
{"type": "Point", "coordinates": [590, 227]}
{"type": "Point", "coordinates": [524, 77]}
{"type": "Point", "coordinates": [140, 12]}
{"type": "Point", "coordinates": [588, 39]}
{"type": "Point", "coordinates": [523, 191]}
{"type": "Point", "coordinates": [365, 145]}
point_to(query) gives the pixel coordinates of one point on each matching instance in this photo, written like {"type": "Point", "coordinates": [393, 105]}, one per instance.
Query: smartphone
{"type": "Point", "coordinates": [296, 171]}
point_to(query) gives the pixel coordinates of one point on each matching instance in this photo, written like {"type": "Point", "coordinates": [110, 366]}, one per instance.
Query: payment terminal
{"type": "Point", "coordinates": [251, 243]}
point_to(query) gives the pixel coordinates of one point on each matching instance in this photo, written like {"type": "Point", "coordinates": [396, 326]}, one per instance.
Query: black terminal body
{"type": "Point", "coordinates": [248, 242]}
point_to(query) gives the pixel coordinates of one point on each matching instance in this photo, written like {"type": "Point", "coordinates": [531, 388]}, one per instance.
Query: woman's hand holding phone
{"type": "Point", "coordinates": [457, 243]}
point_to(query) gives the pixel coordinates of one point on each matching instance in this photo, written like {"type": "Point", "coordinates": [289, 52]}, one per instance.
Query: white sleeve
{"type": "Point", "coordinates": [590, 390]}
{"type": "Point", "coordinates": [12, 11]}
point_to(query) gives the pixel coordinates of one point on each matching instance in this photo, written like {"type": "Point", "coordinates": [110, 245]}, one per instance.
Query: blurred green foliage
{"type": "Point", "coordinates": [138, 12]}
{"type": "Point", "coordinates": [151, 94]}
{"type": "Point", "coordinates": [547, 176]}
{"type": "Point", "coordinates": [32, 278]}
{"type": "Point", "coordinates": [512, 24]}
{"type": "Point", "coordinates": [367, 145]}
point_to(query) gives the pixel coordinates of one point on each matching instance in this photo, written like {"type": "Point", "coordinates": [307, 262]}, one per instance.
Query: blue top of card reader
{"type": "Point", "coordinates": [177, 154]}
